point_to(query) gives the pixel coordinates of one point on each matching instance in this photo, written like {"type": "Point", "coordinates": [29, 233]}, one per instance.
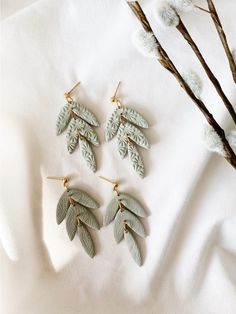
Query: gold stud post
{"type": "Point", "coordinates": [65, 180]}
{"type": "Point", "coordinates": [114, 183]}
{"type": "Point", "coordinates": [114, 98]}
{"type": "Point", "coordinates": [68, 94]}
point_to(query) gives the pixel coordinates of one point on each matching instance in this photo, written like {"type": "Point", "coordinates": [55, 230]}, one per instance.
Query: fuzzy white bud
{"type": "Point", "coordinates": [194, 82]}
{"type": "Point", "coordinates": [145, 43]}
{"type": "Point", "coordinates": [166, 15]}
{"type": "Point", "coordinates": [231, 137]}
{"type": "Point", "coordinates": [182, 5]}
{"type": "Point", "coordinates": [212, 141]}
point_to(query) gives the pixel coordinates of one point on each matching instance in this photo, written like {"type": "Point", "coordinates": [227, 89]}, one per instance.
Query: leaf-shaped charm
{"type": "Point", "coordinates": [72, 136]}
{"type": "Point", "coordinates": [135, 135]}
{"type": "Point", "coordinates": [111, 211]}
{"type": "Point", "coordinates": [82, 198]}
{"type": "Point", "coordinates": [133, 248]}
{"type": "Point", "coordinates": [134, 223]}
{"type": "Point", "coordinates": [86, 240]}
{"type": "Point", "coordinates": [132, 204]}
{"type": "Point", "coordinates": [87, 217]}
{"type": "Point", "coordinates": [63, 119]}
{"type": "Point", "coordinates": [84, 113]}
{"type": "Point", "coordinates": [136, 159]}
{"type": "Point", "coordinates": [86, 131]}
{"type": "Point", "coordinates": [113, 124]}
{"type": "Point", "coordinates": [71, 220]}
{"type": "Point", "coordinates": [88, 154]}
{"type": "Point", "coordinates": [118, 227]}
{"type": "Point", "coordinates": [122, 141]}
{"type": "Point", "coordinates": [62, 207]}
{"type": "Point", "coordinates": [134, 117]}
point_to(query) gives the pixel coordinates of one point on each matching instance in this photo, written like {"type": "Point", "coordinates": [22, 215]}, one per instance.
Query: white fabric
{"type": "Point", "coordinates": [190, 252]}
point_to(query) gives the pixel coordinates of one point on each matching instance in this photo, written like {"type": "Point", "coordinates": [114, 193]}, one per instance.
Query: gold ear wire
{"type": "Point", "coordinates": [114, 183]}
{"type": "Point", "coordinates": [114, 98]}
{"type": "Point", "coordinates": [68, 94]}
{"type": "Point", "coordinates": [65, 180]}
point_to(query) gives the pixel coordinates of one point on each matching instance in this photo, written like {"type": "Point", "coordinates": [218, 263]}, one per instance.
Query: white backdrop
{"type": "Point", "coordinates": [189, 266]}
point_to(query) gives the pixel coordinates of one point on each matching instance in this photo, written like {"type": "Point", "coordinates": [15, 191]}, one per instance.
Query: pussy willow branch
{"type": "Point", "coordinates": [183, 30]}
{"type": "Point", "coordinates": [166, 62]}
{"type": "Point", "coordinates": [219, 28]}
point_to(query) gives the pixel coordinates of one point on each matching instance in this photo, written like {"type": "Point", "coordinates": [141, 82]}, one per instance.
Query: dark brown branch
{"type": "Point", "coordinates": [166, 62]}
{"type": "Point", "coordinates": [219, 28]}
{"type": "Point", "coordinates": [183, 30]}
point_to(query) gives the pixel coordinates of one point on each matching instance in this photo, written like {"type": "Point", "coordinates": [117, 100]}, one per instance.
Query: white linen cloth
{"type": "Point", "coordinates": [190, 252]}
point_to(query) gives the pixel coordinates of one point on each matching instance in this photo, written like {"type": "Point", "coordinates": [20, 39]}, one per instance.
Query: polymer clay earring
{"type": "Point", "coordinates": [79, 122]}
{"type": "Point", "coordinates": [126, 211]}
{"type": "Point", "coordinates": [74, 205]}
{"type": "Point", "coordinates": [124, 123]}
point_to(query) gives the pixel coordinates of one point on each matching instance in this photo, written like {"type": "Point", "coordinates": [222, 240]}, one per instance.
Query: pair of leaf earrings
{"type": "Point", "coordinates": [124, 122]}
{"type": "Point", "coordinates": [75, 206]}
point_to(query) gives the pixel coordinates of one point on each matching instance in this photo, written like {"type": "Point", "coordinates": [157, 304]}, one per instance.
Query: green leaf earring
{"type": "Point", "coordinates": [74, 206]}
{"type": "Point", "coordinates": [126, 212]}
{"type": "Point", "coordinates": [79, 122]}
{"type": "Point", "coordinates": [124, 123]}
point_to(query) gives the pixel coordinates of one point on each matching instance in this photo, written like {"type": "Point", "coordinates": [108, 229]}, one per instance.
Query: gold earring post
{"type": "Point", "coordinates": [68, 94]}
{"type": "Point", "coordinates": [114, 183]}
{"type": "Point", "coordinates": [65, 180]}
{"type": "Point", "coordinates": [114, 98]}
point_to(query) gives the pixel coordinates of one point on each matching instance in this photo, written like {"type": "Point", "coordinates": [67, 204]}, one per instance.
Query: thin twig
{"type": "Point", "coordinates": [166, 62]}
{"type": "Point", "coordinates": [202, 9]}
{"type": "Point", "coordinates": [183, 30]}
{"type": "Point", "coordinates": [221, 33]}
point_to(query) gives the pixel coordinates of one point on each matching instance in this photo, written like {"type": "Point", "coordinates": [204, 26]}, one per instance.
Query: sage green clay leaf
{"type": "Point", "coordinates": [87, 153]}
{"type": "Point", "coordinates": [72, 136]}
{"type": "Point", "coordinates": [113, 124]}
{"type": "Point", "coordinates": [71, 220]}
{"type": "Point", "coordinates": [134, 223]}
{"type": "Point", "coordinates": [62, 207]}
{"type": "Point", "coordinates": [63, 119]}
{"type": "Point", "coordinates": [82, 198]}
{"type": "Point", "coordinates": [132, 204]}
{"type": "Point", "coordinates": [134, 117]}
{"type": "Point", "coordinates": [86, 131]}
{"type": "Point", "coordinates": [122, 141]}
{"type": "Point", "coordinates": [87, 217]}
{"type": "Point", "coordinates": [111, 211]}
{"type": "Point", "coordinates": [86, 240]}
{"type": "Point", "coordinates": [118, 227]}
{"type": "Point", "coordinates": [136, 159]}
{"type": "Point", "coordinates": [136, 135]}
{"type": "Point", "coordinates": [82, 112]}
{"type": "Point", "coordinates": [133, 248]}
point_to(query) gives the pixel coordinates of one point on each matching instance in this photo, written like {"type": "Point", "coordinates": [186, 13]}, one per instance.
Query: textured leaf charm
{"type": "Point", "coordinates": [134, 223]}
{"type": "Point", "coordinates": [63, 119]}
{"type": "Point", "coordinates": [134, 117]}
{"type": "Point", "coordinates": [133, 248]}
{"type": "Point", "coordinates": [124, 122]}
{"type": "Point", "coordinates": [86, 240]}
{"type": "Point", "coordinates": [71, 220]}
{"type": "Point", "coordinates": [88, 154]}
{"type": "Point", "coordinates": [72, 136]}
{"type": "Point", "coordinates": [132, 204]}
{"type": "Point", "coordinates": [113, 124]}
{"type": "Point", "coordinates": [79, 122]}
{"type": "Point", "coordinates": [118, 227]}
{"type": "Point", "coordinates": [82, 198]}
{"type": "Point", "coordinates": [84, 114]}
{"type": "Point", "coordinates": [85, 130]}
{"type": "Point", "coordinates": [88, 218]}
{"type": "Point", "coordinates": [111, 211]}
{"type": "Point", "coordinates": [136, 160]}
{"type": "Point", "coordinates": [62, 207]}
